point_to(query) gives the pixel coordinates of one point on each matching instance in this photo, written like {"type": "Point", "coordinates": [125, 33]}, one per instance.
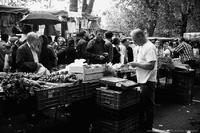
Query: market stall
{"type": "Point", "coordinates": [9, 16]}
{"type": "Point", "coordinates": [76, 84]}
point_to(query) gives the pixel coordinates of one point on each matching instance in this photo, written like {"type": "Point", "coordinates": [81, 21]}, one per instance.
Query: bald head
{"type": "Point", "coordinates": [138, 36]}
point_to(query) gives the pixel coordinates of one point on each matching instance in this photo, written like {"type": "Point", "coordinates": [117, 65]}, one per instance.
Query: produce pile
{"type": "Point", "coordinates": [18, 88]}
{"type": "Point", "coordinates": [60, 77]}
{"type": "Point", "coordinates": [119, 68]}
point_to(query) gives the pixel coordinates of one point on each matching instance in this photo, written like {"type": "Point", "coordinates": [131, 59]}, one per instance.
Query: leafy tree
{"type": "Point", "coordinates": [159, 17]}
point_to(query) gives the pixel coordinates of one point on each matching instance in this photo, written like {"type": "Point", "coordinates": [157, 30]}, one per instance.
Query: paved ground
{"type": "Point", "coordinates": [169, 116]}
{"type": "Point", "coordinates": [179, 118]}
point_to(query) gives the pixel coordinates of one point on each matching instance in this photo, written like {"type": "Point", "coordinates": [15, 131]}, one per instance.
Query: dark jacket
{"type": "Point", "coordinates": [130, 54]}
{"type": "Point", "coordinates": [116, 55]}
{"type": "Point", "coordinates": [2, 56]}
{"type": "Point", "coordinates": [48, 59]}
{"type": "Point", "coordinates": [14, 54]}
{"type": "Point", "coordinates": [109, 49]}
{"type": "Point", "coordinates": [81, 49]}
{"type": "Point", "coordinates": [61, 54]}
{"type": "Point", "coordinates": [24, 59]}
{"type": "Point", "coordinates": [71, 54]}
{"type": "Point", "coordinates": [95, 49]}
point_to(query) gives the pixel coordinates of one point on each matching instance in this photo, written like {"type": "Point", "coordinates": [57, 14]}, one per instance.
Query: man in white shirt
{"type": "Point", "coordinates": [145, 61]}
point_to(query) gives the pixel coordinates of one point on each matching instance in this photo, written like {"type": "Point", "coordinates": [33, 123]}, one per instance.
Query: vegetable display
{"type": "Point", "coordinates": [60, 77]}
{"type": "Point", "coordinates": [18, 88]}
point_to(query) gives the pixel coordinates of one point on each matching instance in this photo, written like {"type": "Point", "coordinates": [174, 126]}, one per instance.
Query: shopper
{"type": "Point", "coordinates": [4, 40]}
{"type": "Point", "coordinates": [129, 51]}
{"type": "Point", "coordinates": [166, 49]}
{"type": "Point", "coordinates": [81, 45]}
{"type": "Point", "coordinates": [145, 61]}
{"type": "Point", "coordinates": [60, 51]}
{"type": "Point", "coordinates": [186, 53]}
{"type": "Point", "coordinates": [70, 51]}
{"type": "Point", "coordinates": [108, 45]}
{"type": "Point", "coordinates": [47, 56]}
{"type": "Point", "coordinates": [116, 51]}
{"type": "Point", "coordinates": [27, 57]}
{"type": "Point", "coordinates": [123, 52]}
{"type": "Point", "coordinates": [96, 49]}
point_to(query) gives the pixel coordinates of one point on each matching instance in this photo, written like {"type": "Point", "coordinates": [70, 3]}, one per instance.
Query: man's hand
{"type": "Point", "coordinates": [133, 64]}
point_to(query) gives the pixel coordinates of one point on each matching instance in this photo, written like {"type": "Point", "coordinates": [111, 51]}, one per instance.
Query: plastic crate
{"type": "Point", "coordinates": [116, 115]}
{"type": "Point", "coordinates": [51, 97]}
{"type": "Point", "coordinates": [127, 125]}
{"type": "Point", "coordinates": [90, 89]}
{"type": "Point", "coordinates": [183, 83]}
{"type": "Point", "coordinates": [116, 99]}
{"type": "Point", "coordinates": [74, 93]}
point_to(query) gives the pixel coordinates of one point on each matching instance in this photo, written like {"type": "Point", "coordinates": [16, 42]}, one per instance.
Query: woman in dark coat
{"type": "Point", "coordinates": [47, 56]}
{"type": "Point", "coordinates": [116, 51]}
{"type": "Point", "coordinates": [70, 51]}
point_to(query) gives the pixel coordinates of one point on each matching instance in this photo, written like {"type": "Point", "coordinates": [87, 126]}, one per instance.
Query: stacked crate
{"type": "Point", "coordinates": [51, 97]}
{"type": "Point", "coordinates": [183, 83]}
{"type": "Point", "coordinates": [90, 89]}
{"type": "Point", "coordinates": [117, 110]}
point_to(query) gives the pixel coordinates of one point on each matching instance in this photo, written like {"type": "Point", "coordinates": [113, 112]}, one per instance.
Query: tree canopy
{"type": "Point", "coordinates": [158, 17]}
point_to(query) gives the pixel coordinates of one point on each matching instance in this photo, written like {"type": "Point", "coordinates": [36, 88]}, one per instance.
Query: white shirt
{"type": "Point", "coordinates": [35, 56]}
{"type": "Point", "coordinates": [166, 53]}
{"type": "Point", "coordinates": [145, 54]}
{"type": "Point", "coordinates": [123, 52]}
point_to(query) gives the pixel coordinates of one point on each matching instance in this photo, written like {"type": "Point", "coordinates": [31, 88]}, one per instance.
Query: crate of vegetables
{"type": "Point", "coordinates": [116, 99]}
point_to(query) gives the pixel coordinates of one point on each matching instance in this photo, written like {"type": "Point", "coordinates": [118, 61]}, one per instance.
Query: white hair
{"type": "Point", "coordinates": [32, 36]}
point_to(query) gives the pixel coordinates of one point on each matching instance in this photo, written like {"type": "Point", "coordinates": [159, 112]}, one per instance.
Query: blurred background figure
{"type": "Point", "coordinates": [47, 56]}
{"type": "Point", "coordinates": [116, 51]}
{"type": "Point", "coordinates": [70, 51]}
{"type": "Point", "coordinates": [108, 45]}
{"type": "Point", "coordinates": [96, 49]}
{"type": "Point", "coordinates": [3, 42]}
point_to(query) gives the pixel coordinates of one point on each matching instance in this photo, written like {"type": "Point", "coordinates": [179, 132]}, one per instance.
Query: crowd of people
{"type": "Point", "coordinates": [31, 51]}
